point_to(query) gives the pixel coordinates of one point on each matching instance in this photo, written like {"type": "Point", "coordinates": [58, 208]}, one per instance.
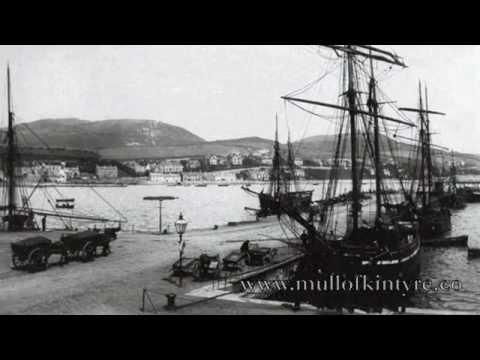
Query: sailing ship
{"type": "Point", "coordinates": [283, 186]}
{"type": "Point", "coordinates": [455, 199]}
{"type": "Point", "coordinates": [16, 207]}
{"type": "Point", "coordinates": [431, 203]}
{"type": "Point", "coordinates": [384, 248]}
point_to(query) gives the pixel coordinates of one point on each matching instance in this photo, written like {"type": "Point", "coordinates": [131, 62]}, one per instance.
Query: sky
{"type": "Point", "coordinates": [222, 92]}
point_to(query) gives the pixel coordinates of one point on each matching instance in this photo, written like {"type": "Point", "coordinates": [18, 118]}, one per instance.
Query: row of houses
{"type": "Point", "coordinates": [207, 163]}
{"type": "Point", "coordinates": [59, 173]}
{"type": "Point", "coordinates": [192, 177]}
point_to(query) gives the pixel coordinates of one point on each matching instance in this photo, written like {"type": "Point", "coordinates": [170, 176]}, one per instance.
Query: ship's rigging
{"type": "Point", "coordinates": [366, 128]}
{"type": "Point", "coordinates": [16, 197]}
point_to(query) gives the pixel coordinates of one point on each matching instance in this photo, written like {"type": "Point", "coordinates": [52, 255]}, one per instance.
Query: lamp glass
{"type": "Point", "coordinates": [181, 225]}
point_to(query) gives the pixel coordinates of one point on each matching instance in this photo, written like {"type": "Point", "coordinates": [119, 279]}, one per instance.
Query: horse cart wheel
{"type": "Point", "coordinates": [196, 271]}
{"type": "Point", "coordinates": [106, 250]}
{"type": "Point", "coordinates": [37, 260]}
{"type": "Point", "coordinates": [88, 252]}
{"type": "Point", "coordinates": [64, 260]}
{"type": "Point", "coordinates": [16, 262]}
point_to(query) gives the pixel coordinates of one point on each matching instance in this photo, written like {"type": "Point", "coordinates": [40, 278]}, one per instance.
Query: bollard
{"type": "Point", "coordinates": [403, 306]}
{"type": "Point", "coordinates": [142, 309]}
{"type": "Point", "coordinates": [171, 302]}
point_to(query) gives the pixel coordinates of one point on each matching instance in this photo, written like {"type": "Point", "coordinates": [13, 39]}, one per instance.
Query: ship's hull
{"type": "Point", "coordinates": [357, 278]}
{"type": "Point", "coordinates": [453, 201]}
{"type": "Point", "coordinates": [435, 223]}
{"type": "Point", "coordinates": [470, 195]}
{"type": "Point", "coordinates": [269, 205]}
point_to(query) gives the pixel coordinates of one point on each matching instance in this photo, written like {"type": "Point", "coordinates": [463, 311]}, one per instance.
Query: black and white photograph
{"type": "Point", "coordinates": [225, 180]}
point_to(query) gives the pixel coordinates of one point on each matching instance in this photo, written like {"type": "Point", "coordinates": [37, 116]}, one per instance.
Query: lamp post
{"type": "Point", "coordinates": [181, 227]}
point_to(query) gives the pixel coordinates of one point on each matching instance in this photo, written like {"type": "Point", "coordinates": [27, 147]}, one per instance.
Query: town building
{"type": "Point", "coordinates": [345, 163]}
{"type": "Point", "coordinates": [106, 172]}
{"type": "Point", "coordinates": [169, 167]}
{"type": "Point", "coordinates": [194, 164]}
{"type": "Point", "coordinates": [164, 178]}
{"type": "Point", "coordinates": [193, 177]}
{"type": "Point", "coordinates": [226, 176]}
{"type": "Point", "coordinates": [236, 159]}
{"type": "Point", "coordinates": [267, 160]}
{"type": "Point", "coordinates": [299, 174]}
{"type": "Point", "coordinates": [298, 162]}
{"type": "Point", "coordinates": [213, 160]}
{"type": "Point", "coordinates": [259, 174]}
{"type": "Point", "coordinates": [72, 172]}
{"type": "Point", "coordinates": [261, 152]}
{"type": "Point", "coordinates": [217, 160]}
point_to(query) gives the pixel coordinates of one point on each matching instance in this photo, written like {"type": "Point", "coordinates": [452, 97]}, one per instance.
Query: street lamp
{"type": "Point", "coordinates": [181, 227]}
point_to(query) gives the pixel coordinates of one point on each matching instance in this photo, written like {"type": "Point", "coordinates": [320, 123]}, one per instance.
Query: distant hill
{"type": "Point", "coordinates": [95, 135]}
{"type": "Point", "coordinates": [128, 139]}
{"type": "Point", "coordinates": [219, 147]}
{"type": "Point", "coordinates": [322, 146]}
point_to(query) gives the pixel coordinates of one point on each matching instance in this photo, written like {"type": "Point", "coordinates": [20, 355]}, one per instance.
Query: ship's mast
{"type": "Point", "coordinates": [423, 149]}
{"type": "Point", "coordinates": [10, 158]}
{"type": "Point", "coordinates": [349, 53]}
{"type": "Point", "coordinates": [351, 95]}
{"type": "Point", "coordinates": [290, 164]}
{"type": "Point", "coordinates": [276, 161]}
{"type": "Point", "coordinates": [425, 145]}
{"type": "Point", "coordinates": [373, 108]}
{"type": "Point", "coordinates": [429, 148]}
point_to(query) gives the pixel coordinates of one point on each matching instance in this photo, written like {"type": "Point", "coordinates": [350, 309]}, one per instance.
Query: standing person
{"type": "Point", "coordinates": [44, 223]}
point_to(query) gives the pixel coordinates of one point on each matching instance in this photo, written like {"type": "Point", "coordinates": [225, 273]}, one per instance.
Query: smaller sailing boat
{"type": "Point", "coordinates": [453, 198]}
{"type": "Point", "coordinates": [283, 184]}
{"type": "Point", "coordinates": [434, 216]}
{"type": "Point", "coordinates": [65, 204]}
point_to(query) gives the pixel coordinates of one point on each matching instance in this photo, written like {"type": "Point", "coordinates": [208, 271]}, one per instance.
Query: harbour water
{"type": "Point", "coordinates": [205, 207]}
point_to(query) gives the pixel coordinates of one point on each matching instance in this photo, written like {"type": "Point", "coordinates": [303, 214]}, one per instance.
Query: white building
{"type": "Point", "coordinates": [163, 178]}
{"type": "Point", "coordinates": [236, 159]}
{"type": "Point", "coordinates": [213, 160]}
{"type": "Point", "coordinates": [298, 162]}
{"type": "Point", "coordinates": [193, 177]}
{"type": "Point", "coordinates": [225, 177]}
{"type": "Point", "coordinates": [216, 160]}
{"type": "Point", "coordinates": [169, 168]}
{"type": "Point", "coordinates": [259, 174]}
{"type": "Point", "coordinates": [299, 173]}
{"type": "Point", "coordinates": [72, 172]}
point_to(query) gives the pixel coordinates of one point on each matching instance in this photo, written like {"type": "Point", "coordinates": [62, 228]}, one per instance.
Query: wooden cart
{"type": "Point", "coordinates": [33, 254]}
{"type": "Point", "coordinates": [87, 245]}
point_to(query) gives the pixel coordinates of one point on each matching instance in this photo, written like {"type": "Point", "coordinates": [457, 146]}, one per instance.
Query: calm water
{"type": "Point", "coordinates": [213, 205]}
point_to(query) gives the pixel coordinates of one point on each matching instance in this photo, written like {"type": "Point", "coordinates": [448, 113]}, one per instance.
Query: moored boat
{"type": "Point", "coordinates": [382, 250]}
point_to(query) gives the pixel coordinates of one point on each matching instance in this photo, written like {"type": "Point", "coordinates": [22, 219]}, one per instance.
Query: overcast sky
{"type": "Point", "coordinates": [220, 92]}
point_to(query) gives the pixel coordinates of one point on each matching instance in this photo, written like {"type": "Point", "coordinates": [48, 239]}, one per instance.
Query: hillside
{"type": "Point", "coordinates": [96, 135]}
{"type": "Point", "coordinates": [323, 146]}
{"type": "Point", "coordinates": [128, 139]}
{"type": "Point", "coordinates": [219, 147]}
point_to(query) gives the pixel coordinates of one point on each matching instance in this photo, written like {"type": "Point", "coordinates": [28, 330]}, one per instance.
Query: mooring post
{"type": "Point", "coordinates": [142, 309]}
{"type": "Point", "coordinates": [160, 215]}
{"type": "Point", "coordinates": [171, 302]}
